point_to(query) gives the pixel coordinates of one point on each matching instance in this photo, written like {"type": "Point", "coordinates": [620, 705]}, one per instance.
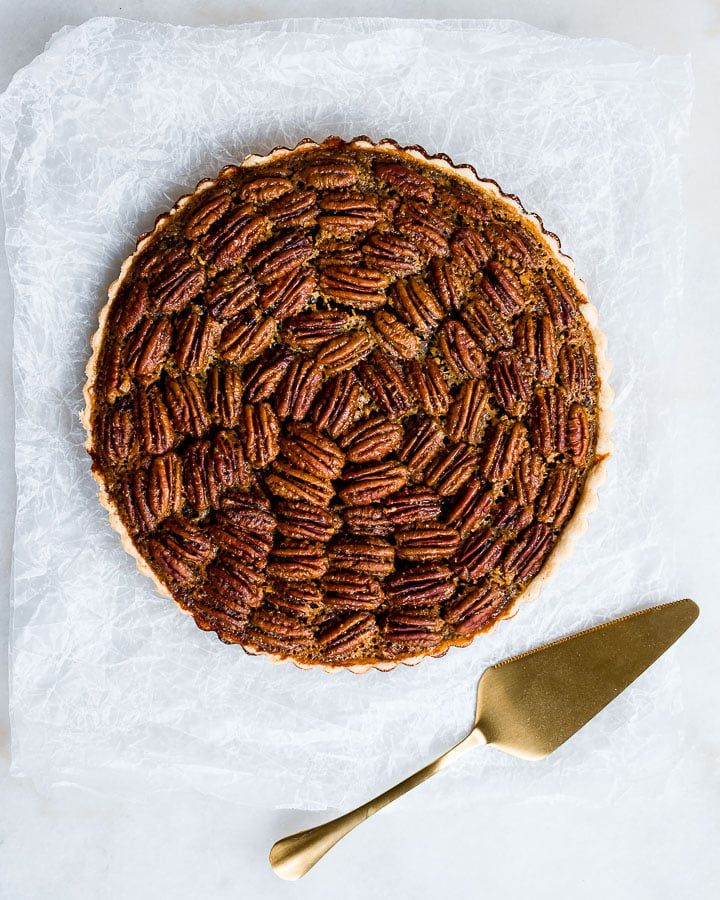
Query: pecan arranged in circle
{"type": "Point", "coordinates": [344, 402]}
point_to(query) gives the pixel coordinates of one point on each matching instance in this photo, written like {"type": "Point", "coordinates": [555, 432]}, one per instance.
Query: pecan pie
{"type": "Point", "coordinates": [347, 404]}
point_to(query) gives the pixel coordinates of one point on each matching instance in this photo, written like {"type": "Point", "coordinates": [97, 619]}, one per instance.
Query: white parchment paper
{"type": "Point", "coordinates": [110, 685]}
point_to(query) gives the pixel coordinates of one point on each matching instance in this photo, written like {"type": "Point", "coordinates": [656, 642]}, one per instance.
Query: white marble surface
{"type": "Point", "coordinates": [72, 844]}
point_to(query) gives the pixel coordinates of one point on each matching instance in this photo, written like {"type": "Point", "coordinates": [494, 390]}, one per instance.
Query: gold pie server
{"type": "Point", "coordinates": [527, 706]}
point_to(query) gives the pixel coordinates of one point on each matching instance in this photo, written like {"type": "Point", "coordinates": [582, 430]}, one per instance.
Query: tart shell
{"type": "Point", "coordinates": [573, 528]}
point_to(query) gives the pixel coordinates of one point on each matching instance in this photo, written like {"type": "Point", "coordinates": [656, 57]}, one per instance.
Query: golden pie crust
{"type": "Point", "coordinates": [348, 404]}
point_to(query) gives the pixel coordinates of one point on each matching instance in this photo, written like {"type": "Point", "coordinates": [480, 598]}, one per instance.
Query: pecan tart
{"type": "Point", "coordinates": [347, 404]}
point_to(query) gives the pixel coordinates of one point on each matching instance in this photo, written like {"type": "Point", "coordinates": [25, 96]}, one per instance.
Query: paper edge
{"type": "Point", "coordinates": [682, 79]}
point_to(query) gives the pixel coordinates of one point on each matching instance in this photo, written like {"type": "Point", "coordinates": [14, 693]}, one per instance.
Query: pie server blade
{"type": "Point", "coordinates": [531, 704]}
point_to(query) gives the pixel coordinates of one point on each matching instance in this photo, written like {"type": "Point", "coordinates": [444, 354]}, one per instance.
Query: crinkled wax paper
{"type": "Point", "coordinates": [111, 685]}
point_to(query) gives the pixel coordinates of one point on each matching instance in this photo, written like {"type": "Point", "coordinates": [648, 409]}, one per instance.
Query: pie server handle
{"type": "Point", "coordinates": [295, 855]}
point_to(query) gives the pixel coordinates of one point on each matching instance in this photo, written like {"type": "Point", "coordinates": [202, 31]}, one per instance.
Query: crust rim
{"type": "Point", "coordinates": [576, 525]}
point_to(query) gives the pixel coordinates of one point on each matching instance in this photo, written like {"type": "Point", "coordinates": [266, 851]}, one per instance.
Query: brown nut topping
{"type": "Point", "coordinates": [344, 402]}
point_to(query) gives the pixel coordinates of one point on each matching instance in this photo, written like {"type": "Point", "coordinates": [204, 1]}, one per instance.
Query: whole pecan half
{"type": "Point", "coordinates": [421, 585]}
{"type": "Point", "coordinates": [210, 468]}
{"type": "Point", "coordinates": [502, 448]}
{"type": "Point", "coordinates": [372, 438]}
{"type": "Point", "coordinates": [307, 449]}
{"type": "Point", "coordinates": [502, 289]}
{"type": "Point", "coordinates": [265, 188]}
{"type": "Point", "coordinates": [406, 181]}
{"type": "Point", "coordinates": [264, 374]}
{"type": "Point", "coordinates": [478, 554]}
{"type": "Point", "coordinates": [251, 513]}
{"type": "Point", "coordinates": [356, 286]}
{"type": "Point", "coordinates": [460, 350]}
{"type": "Point", "coordinates": [310, 329]}
{"type": "Point", "coordinates": [177, 280]}
{"type": "Point", "coordinates": [134, 499]}
{"type": "Point", "coordinates": [280, 630]}
{"type": "Point", "coordinates": [560, 298]}
{"type": "Point", "coordinates": [302, 599]}
{"type": "Point", "coordinates": [346, 214]}
{"type": "Point", "coordinates": [345, 589]}
{"type": "Point", "coordinates": [510, 382]}
{"type": "Point", "coordinates": [298, 561]}
{"type": "Point", "coordinates": [411, 506]}
{"type": "Point", "coordinates": [230, 294]}
{"type": "Point", "coordinates": [426, 542]}
{"type": "Point", "coordinates": [394, 337]}
{"type": "Point", "coordinates": [429, 383]}
{"type": "Point", "coordinates": [280, 256]}
{"type": "Point", "coordinates": [510, 516]}
{"type": "Point", "coordinates": [427, 226]}
{"type": "Point", "coordinates": [451, 469]}
{"type": "Point", "coordinates": [345, 634]}
{"type": "Point", "coordinates": [575, 368]}
{"type": "Point", "coordinates": [248, 548]}
{"type": "Point", "coordinates": [510, 243]}
{"type": "Point", "coordinates": [337, 251]}
{"type": "Point", "coordinates": [118, 433]}
{"type": "Point", "coordinates": [242, 341]}
{"type": "Point", "coordinates": [422, 444]}
{"type": "Point", "coordinates": [195, 475]}
{"type": "Point", "coordinates": [447, 286]}
{"type": "Point", "coordinates": [297, 390]}
{"type": "Point", "coordinates": [369, 483]}
{"type": "Point", "coordinates": [413, 627]}
{"type": "Point", "coordinates": [272, 631]}
{"type": "Point", "coordinates": [288, 294]}
{"type": "Point", "coordinates": [369, 554]}
{"type": "Point", "coordinates": [228, 466]}
{"type": "Point", "coordinates": [231, 584]}
{"type": "Point", "coordinates": [486, 326]}
{"type": "Point", "coordinates": [369, 519]}
{"type": "Point", "coordinates": [291, 483]}
{"type": "Point", "coordinates": [337, 404]}
{"type": "Point", "coordinates": [259, 430]}
{"type": "Point", "coordinates": [470, 507]}
{"type": "Point", "coordinates": [224, 395]}
{"type": "Point", "coordinates": [154, 426]}
{"type": "Point", "coordinates": [415, 302]}
{"type": "Point", "coordinates": [468, 412]}
{"type": "Point", "coordinates": [535, 339]}
{"type": "Point", "coordinates": [578, 434]}
{"type": "Point", "coordinates": [114, 379]}
{"type": "Point", "coordinates": [129, 307]}
{"type": "Point", "coordinates": [469, 251]}
{"type": "Point", "coordinates": [465, 202]}
{"type": "Point", "coordinates": [475, 608]}
{"type": "Point", "coordinates": [383, 379]}
{"type": "Point", "coordinates": [185, 403]}
{"type": "Point", "coordinates": [234, 237]}
{"type": "Point", "coordinates": [147, 346]}
{"type": "Point", "coordinates": [329, 173]}
{"type": "Point", "coordinates": [195, 338]}
{"type": "Point", "coordinates": [294, 209]}
{"type": "Point", "coordinates": [525, 557]}
{"type": "Point", "coordinates": [391, 253]}
{"type": "Point", "coordinates": [213, 205]}
{"type": "Point", "coordinates": [528, 476]}
{"type": "Point", "coordinates": [344, 351]}
{"type": "Point", "coordinates": [178, 547]}
{"type": "Point", "coordinates": [549, 421]}
{"type": "Point", "coordinates": [557, 498]}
